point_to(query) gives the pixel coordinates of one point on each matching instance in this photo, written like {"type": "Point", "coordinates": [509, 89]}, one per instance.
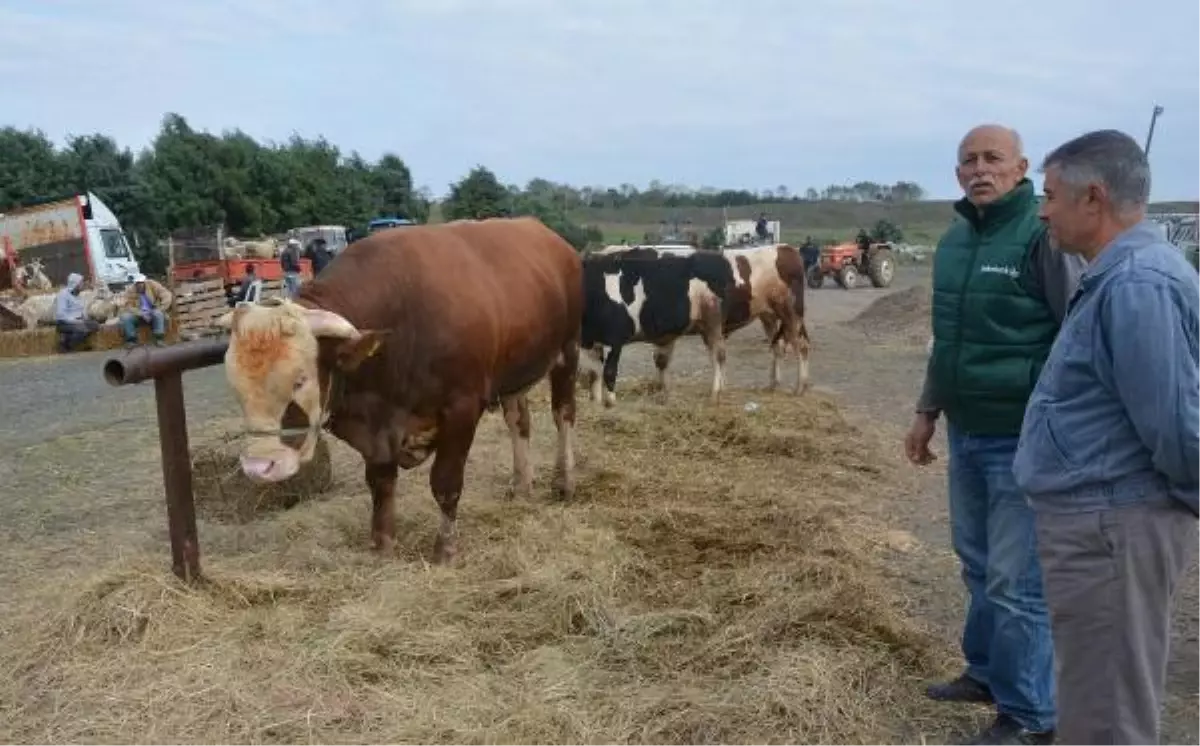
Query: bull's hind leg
{"type": "Point", "coordinates": [771, 327]}
{"type": "Point", "coordinates": [381, 479]}
{"type": "Point", "coordinates": [516, 416]}
{"type": "Point", "coordinates": [562, 403]}
{"type": "Point", "coordinates": [455, 436]}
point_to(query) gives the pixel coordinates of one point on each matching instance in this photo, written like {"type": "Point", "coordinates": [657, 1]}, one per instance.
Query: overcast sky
{"type": "Point", "coordinates": [701, 92]}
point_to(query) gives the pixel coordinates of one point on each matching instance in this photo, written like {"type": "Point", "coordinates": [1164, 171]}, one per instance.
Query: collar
{"type": "Point", "coordinates": [1116, 251]}
{"type": "Point", "coordinates": [1010, 205]}
{"type": "Point", "coordinates": [1123, 244]}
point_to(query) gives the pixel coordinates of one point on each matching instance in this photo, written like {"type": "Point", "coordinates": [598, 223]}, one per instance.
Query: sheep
{"type": "Point", "coordinates": [32, 275]}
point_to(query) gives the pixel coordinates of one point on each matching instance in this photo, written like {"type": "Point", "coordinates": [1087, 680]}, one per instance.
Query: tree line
{"type": "Point", "coordinates": [187, 178]}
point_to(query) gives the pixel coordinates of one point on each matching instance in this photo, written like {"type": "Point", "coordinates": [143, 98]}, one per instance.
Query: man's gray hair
{"type": "Point", "coordinates": [1106, 157]}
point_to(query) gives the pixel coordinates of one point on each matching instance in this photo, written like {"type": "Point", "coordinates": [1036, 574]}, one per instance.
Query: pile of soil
{"type": "Point", "coordinates": [901, 316]}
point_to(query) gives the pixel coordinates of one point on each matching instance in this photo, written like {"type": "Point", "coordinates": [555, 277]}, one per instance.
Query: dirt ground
{"type": "Point", "coordinates": [82, 462]}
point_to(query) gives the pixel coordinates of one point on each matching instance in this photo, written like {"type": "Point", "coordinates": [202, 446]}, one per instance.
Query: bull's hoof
{"type": "Point", "coordinates": [444, 551]}
{"type": "Point", "coordinates": [519, 490]}
{"type": "Point", "coordinates": [383, 545]}
{"type": "Point", "coordinates": [563, 488]}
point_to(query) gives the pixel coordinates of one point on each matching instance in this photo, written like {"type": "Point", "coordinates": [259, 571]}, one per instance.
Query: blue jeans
{"type": "Point", "coordinates": [1006, 637]}
{"type": "Point", "coordinates": [130, 321]}
{"type": "Point", "coordinates": [291, 284]}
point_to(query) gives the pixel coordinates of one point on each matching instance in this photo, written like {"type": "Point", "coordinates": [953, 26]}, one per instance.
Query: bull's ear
{"type": "Point", "coordinates": [329, 324]}
{"type": "Point", "coordinates": [352, 352]}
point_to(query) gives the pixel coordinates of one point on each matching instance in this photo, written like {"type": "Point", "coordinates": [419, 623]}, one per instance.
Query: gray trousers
{"type": "Point", "coordinates": [1110, 579]}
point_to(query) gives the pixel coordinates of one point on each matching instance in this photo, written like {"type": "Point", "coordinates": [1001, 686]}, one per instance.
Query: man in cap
{"type": "Point", "coordinates": [145, 303]}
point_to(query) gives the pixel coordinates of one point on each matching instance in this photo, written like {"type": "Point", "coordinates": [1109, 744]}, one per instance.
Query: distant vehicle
{"type": "Point", "coordinates": [379, 224]}
{"type": "Point", "coordinates": [334, 235]}
{"type": "Point", "coordinates": [77, 234]}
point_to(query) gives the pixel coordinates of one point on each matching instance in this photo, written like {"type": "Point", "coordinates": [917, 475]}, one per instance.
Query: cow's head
{"type": "Point", "coordinates": [282, 362]}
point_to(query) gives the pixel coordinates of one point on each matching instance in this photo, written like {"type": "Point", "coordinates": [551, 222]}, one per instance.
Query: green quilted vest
{"type": "Point", "coordinates": [992, 331]}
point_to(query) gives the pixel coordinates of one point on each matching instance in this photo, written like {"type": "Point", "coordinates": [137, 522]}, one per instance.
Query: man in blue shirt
{"type": "Point", "coordinates": [1110, 445]}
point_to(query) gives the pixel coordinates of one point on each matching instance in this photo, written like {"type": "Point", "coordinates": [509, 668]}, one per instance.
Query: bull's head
{"type": "Point", "coordinates": [283, 378]}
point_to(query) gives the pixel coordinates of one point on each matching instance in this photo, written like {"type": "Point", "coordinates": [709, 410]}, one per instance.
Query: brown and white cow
{"type": "Point", "coordinates": [398, 348]}
{"type": "Point", "coordinates": [764, 283]}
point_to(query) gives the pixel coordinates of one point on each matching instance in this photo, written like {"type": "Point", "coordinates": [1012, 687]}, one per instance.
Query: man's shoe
{"type": "Point", "coordinates": [962, 689]}
{"type": "Point", "coordinates": [1005, 730]}
{"type": "Point", "coordinates": [130, 345]}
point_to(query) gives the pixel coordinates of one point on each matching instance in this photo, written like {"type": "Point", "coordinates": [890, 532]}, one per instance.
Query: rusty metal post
{"type": "Point", "coordinates": [177, 475]}
{"type": "Point", "coordinates": [166, 366]}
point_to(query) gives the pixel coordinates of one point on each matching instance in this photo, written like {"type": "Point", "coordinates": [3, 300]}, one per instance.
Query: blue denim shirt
{"type": "Point", "coordinates": [1115, 416]}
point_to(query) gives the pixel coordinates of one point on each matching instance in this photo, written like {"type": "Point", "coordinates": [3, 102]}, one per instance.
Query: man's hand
{"type": "Point", "coordinates": [916, 442]}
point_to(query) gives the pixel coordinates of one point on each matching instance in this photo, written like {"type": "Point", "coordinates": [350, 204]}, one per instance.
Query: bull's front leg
{"type": "Point", "coordinates": [381, 479]}
{"type": "Point", "coordinates": [516, 416]}
{"type": "Point", "coordinates": [455, 436]}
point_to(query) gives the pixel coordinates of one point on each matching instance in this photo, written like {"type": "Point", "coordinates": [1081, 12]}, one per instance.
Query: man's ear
{"type": "Point", "coordinates": [352, 352]}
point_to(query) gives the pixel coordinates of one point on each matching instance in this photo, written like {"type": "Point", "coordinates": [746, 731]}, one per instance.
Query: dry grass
{"type": "Point", "coordinates": [719, 577]}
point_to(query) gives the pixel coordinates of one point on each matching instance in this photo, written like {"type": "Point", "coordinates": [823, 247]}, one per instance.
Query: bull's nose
{"type": "Point", "coordinates": [257, 468]}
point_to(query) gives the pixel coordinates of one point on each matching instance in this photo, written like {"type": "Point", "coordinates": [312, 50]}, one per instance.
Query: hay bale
{"type": "Point", "coordinates": [223, 493]}
{"type": "Point", "coordinates": [28, 342]}
{"type": "Point", "coordinates": [903, 316]}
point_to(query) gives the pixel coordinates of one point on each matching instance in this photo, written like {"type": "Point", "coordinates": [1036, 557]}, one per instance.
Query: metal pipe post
{"type": "Point", "coordinates": [177, 476]}
{"type": "Point", "coordinates": [166, 366]}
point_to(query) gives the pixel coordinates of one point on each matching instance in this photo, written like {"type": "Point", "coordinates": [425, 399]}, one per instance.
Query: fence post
{"type": "Point", "coordinates": [177, 475]}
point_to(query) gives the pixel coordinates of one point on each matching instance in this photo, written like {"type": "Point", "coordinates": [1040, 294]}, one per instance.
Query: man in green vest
{"type": "Point", "coordinates": [1000, 292]}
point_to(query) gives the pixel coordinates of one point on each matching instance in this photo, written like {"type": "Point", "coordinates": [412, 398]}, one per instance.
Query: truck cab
{"type": "Point", "coordinates": [112, 258]}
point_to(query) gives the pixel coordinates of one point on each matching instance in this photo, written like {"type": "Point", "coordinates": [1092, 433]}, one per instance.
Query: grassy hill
{"type": "Point", "coordinates": [922, 222]}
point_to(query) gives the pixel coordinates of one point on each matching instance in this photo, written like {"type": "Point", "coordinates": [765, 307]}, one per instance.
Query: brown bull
{"type": "Point", "coordinates": [399, 347]}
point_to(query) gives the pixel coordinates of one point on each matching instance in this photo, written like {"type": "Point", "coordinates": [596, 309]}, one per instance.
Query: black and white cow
{"type": "Point", "coordinates": [654, 295]}
{"type": "Point", "coordinates": [764, 283]}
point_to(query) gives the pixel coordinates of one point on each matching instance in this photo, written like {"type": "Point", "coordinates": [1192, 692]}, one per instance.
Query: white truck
{"type": "Point", "coordinates": [77, 234]}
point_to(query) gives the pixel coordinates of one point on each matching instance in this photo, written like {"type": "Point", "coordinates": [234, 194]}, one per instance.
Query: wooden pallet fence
{"type": "Point", "coordinates": [198, 305]}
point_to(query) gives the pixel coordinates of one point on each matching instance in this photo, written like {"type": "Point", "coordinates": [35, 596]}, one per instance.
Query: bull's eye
{"type": "Point", "coordinates": [299, 384]}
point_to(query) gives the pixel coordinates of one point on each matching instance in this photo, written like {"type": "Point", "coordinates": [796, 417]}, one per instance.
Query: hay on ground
{"type": "Point", "coordinates": [902, 316]}
{"type": "Point", "coordinates": [720, 576]}
{"type": "Point", "coordinates": [224, 493]}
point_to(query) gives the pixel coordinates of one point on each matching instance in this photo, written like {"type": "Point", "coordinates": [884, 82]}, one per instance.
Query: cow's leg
{"type": "Point", "coordinates": [770, 325]}
{"type": "Point", "coordinates": [381, 479]}
{"type": "Point", "coordinates": [662, 361]}
{"type": "Point", "coordinates": [714, 340]}
{"type": "Point", "coordinates": [802, 348]}
{"type": "Point", "coordinates": [455, 436]}
{"type": "Point", "coordinates": [562, 403]}
{"type": "Point", "coordinates": [612, 362]}
{"type": "Point", "coordinates": [516, 416]}
{"type": "Point", "coordinates": [591, 362]}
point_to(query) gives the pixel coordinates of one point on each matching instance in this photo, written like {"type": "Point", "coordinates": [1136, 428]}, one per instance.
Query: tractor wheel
{"type": "Point", "coordinates": [847, 277]}
{"type": "Point", "coordinates": [882, 268]}
{"type": "Point", "coordinates": [816, 278]}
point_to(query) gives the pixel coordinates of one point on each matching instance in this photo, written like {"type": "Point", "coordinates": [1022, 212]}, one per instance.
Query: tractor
{"type": "Point", "coordinates": [846, 261]}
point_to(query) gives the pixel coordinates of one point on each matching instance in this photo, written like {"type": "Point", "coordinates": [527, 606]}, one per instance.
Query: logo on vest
{"type": "Point", "coordinates": [998, 269]}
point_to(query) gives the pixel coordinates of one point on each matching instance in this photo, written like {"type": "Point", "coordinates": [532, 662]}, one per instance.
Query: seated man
{"type": "Point", "coordinates": [74, 327]}
{"type": "Point", "coordinates": [145, 302]}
